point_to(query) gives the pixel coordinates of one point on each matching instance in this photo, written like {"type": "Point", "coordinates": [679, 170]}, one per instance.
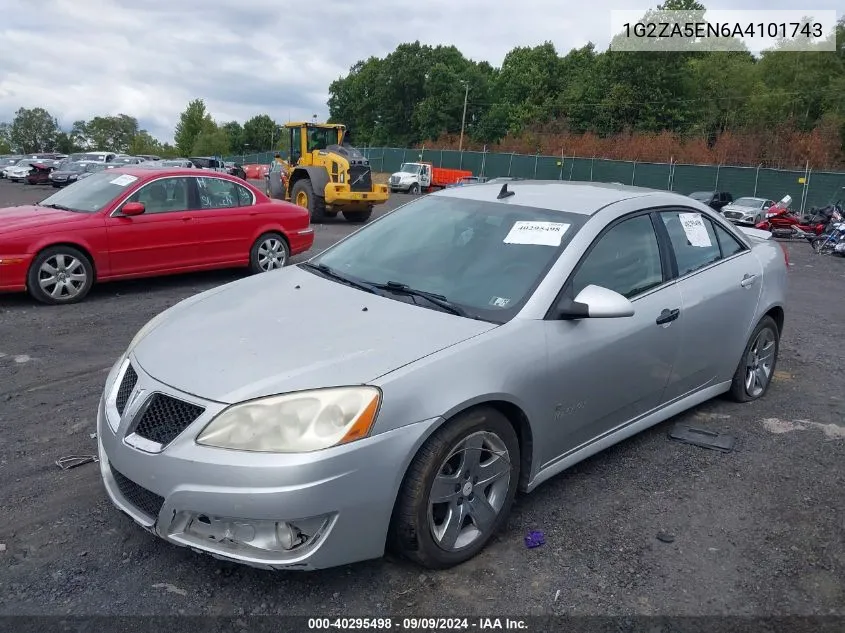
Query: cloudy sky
{"type": "Point", "coordinates": [148, 58]}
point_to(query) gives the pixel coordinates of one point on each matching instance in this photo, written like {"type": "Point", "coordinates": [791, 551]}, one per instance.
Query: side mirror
{"type": "Point", "coordinates": [133, 208]}
{"type": "Point", "coordinates": [596, 302]}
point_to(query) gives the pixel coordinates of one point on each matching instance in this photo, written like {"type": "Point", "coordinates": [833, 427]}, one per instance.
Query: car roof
{"type": "Point", "coordinates": [585, 198]}
{"type": "Point", "coordinates": [146, 172]}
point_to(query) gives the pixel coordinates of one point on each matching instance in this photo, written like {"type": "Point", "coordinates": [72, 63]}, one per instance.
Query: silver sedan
{"type": "Point", "coordinates": [398, 389]}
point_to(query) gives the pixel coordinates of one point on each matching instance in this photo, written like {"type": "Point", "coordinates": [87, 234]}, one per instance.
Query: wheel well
{"type": "Point", "coordinates": [296, 177]}
{"type": "Point", "coordinates": [78, 247]}
{"type": "Point", "coordinates": [778, 315]}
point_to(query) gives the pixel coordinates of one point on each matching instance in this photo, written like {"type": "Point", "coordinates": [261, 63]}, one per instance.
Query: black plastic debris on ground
{"type": "Point", "coordinates": [705, 438]}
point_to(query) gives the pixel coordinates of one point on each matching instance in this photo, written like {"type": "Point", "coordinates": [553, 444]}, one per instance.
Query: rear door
{"type": "Point", "coordinates": [160, 239]}
{"type": "Point", "coordinates": [720, 281]}
{"type": "Point", "coordinates": [226, 219]}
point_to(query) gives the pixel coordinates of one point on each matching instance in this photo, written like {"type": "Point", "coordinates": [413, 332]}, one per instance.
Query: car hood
{"type": "Point", "coordinates": [290, 330]}
{"type": "Point", "coordinates": [406, 174]}
{"type": "Point", "coordinates": [18, 170]}
{"type": "Point", "coordinates": [34, 216]}
{"type": "Point", "coordinates": [66, 172]}
{"type": "Point", "coordinates": [741, 209]}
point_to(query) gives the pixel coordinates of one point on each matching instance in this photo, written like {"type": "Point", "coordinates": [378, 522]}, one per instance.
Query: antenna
{"type": "Point", "coordinates": [504, 193]}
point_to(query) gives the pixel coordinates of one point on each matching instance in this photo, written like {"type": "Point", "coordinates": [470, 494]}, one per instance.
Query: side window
{"type": "Point", "coordinates": [693, 240]}
{"type": "Point", "coordinates": [244, 196]}
{"type": "Point", "coordinates": [625, 259]}
{"type": "Point", "coordinates": [728, 244]}
{"type": "Point", "coordinates": [163, 196]}
{"type": "Point", "coordinates": [216, 193]}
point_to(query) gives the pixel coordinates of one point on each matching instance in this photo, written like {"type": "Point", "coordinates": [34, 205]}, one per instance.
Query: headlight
{"type": "Point", "coordinates": [296, 422]}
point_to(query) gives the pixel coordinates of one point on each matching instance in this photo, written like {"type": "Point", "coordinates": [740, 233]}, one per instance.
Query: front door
{"type": "Point", "coordinates": [720, 281]}
{"type": "Point", "coordinates": [607, 372]}
{"type": "Point", "coordinates": [158, 240]}
{"type": "Point", "coordinates": [425, 176]}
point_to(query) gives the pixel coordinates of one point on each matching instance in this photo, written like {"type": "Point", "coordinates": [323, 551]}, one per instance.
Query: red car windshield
{"type": "Point", "coordinates": [92, 194]}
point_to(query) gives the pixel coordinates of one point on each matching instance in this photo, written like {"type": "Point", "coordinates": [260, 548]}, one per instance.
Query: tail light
{"type": "Point", "coordinates": [785, 253]}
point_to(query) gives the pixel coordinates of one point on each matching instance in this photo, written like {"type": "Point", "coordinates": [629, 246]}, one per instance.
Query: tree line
{"type": "Point", "coordinates": [196, 134]}
{"type": "Point", "coordinates": [704, 105]}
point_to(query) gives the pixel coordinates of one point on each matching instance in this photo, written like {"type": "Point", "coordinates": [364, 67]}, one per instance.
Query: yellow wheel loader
{"type": "Point", "coordinates": [326, 175]}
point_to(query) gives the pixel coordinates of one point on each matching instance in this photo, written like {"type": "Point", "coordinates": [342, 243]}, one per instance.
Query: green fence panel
{"type": "Point", "coordinates": [472, 161]}
{"type": "Point", "coordinates": [652, 175]}
{"type": "Point", "coordinates": [522, 166]}
{"type": "Point", "coordinates": [548, 168]}
{"type": "Point", "coordinates": [495, 165]}
{"type": "Point", "coordinates": [613, 171]}
{"type": "Point", "coordinates": [580, 169]}
{"type": "Point", "coordinates": [824, 188]}
{"type": "Point", "coordinates": [776, 183]}
{"type": "Point", "coordinates": [689, 178]}
{"type": "Point", "coordinates": [451, 159]}
{"type": "Point", "coordinates": [737, 181]}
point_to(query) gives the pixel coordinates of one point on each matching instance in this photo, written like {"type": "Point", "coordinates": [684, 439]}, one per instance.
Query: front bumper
{"type": "Point", "coordinates": [13, 269]}
{"type": "Point", "coordinates": [225, 503]}
{"type": "Point", "coordinates": [340, 195]}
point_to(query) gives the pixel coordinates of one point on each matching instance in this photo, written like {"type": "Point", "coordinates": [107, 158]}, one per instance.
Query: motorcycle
{"type": "Point", "coordinates": [783, 223]}
{"type": "Point", "coordinates": [833, 240]}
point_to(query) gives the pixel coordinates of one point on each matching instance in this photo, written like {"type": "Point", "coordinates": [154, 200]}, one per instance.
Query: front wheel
{"type": "Point", "coordinates": [458, 490]}
{"type": "Point", "coordinates": [303, 195]}
{"type": "Point", "coordinates": [756, 369]}
{"type": "Point", "coordinates": [60, 274]}
{"type": "Point", "coordinates": [269, 252]}
{"type": "Point", "coordinates": [414, 189]}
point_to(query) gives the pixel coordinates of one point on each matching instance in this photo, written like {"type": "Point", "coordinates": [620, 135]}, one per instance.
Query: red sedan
{"type": "Point", "coordinates": [124, 223]}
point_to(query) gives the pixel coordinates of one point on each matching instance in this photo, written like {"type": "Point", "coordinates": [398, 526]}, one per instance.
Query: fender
{"type": "Point", "coordinates": [318, 175]}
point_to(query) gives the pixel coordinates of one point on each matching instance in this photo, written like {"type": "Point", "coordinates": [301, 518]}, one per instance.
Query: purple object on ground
{"type": "Point", "coordinates": [534, 539]}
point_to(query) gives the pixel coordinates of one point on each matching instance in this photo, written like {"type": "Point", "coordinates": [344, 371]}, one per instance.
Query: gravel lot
{"type": "Point", "coordinates": [759, 531]}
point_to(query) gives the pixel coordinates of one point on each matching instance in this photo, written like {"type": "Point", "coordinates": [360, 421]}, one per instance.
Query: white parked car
{"type": "Point", "coordinates": [19, 171]}
{"type": "Point", "coordinates": [747, 211]}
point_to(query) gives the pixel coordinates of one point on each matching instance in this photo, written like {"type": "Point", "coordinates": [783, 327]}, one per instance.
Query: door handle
{"type": "Point", "coordinates": [667, 316]}
{"type": "Point", "coordinates": [187, 219]}
{"type": "Point", "coordinates": [748, 280]}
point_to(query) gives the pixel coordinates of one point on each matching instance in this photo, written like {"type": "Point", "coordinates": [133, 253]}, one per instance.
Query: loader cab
{"type": "Point", "coordinates": [306, 138]}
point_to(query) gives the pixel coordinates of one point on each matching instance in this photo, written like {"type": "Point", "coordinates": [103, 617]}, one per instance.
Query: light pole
{"type": "Point", "coordinates": [464, 117]}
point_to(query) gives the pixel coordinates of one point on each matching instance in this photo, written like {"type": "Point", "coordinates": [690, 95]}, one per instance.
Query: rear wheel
{"type": "Point", "coordinates": [458, 490]}
{"type": "Point", "coordinates": [358, 216]}
{"type": "Point", "coordinates": [757, 366]}
{"type": "Point", "coordinates": [303, 195]}
{"type": "Point", "coordinates": [60, 274]}
{"type": "Point", "coordinates": [269, 252]}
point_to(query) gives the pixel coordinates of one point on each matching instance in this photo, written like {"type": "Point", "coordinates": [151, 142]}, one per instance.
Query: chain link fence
{"type": "Point", "coordinates": [808, 188]}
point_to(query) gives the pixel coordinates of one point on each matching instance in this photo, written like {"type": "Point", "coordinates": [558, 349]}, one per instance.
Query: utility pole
{"type": "Point", "coordinates": [464, 117]}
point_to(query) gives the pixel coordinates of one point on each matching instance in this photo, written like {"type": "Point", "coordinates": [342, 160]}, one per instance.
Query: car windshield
{"type": "Point", "coordinates": [485, 257]}
{"type": "Point", "coordinates": [749, 202]}
{"type": "Point", "coordinates": [75, 167]}
{"type": "Point", "coordinates": [93, 157]}
{"type": "Point", "coordinates": [26, 162]}
{"type": "Point", "coordinates": [91, 194]}
{"type": "Point", "coordinates": [410, 168]}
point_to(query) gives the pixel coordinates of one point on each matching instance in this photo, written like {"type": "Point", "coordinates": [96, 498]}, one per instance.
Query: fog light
{"type": "Point", "coordinates": [247, 537]}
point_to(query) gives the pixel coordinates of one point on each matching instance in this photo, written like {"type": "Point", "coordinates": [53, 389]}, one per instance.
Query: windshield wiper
{"type": "Point", "coordinates": [438, 300]}
{"type": "Point", "coordinates": [58, 206]}
{"type": "Point", "coordinates": [329, 272]}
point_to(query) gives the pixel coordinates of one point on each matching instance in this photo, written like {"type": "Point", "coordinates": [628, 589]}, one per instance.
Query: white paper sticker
{"type": "Point", "coordinates": [539, 233]}
{"type": "Point", "coordinates": [499, 302]}
{"type": "Point", "coordinates": [695, 229]}
{"type": "Point", "coordinates": [123, 180]}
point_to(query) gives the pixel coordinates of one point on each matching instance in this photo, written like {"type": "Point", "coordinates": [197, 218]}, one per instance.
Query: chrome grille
{"type": "Point", "coordinates": [164, 418]}
{"type": "Point", "coordinates": [130, 379]}
{"type": "Point", "coordinates": [144, 500]}
{"type": "Point", "coordinates": [736, 215]}
{"type": "Point", "coordinates": [360, 178]}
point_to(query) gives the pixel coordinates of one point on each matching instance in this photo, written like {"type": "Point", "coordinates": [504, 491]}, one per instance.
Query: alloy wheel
{"type": "Point", "coordinates": [469, 491]}
{"type": "Point", "coordinates": [759, 363]}
{"type": "Point", "coordinates": [271, 254]}
{"type": "Point", "coordinates": [62, 276]}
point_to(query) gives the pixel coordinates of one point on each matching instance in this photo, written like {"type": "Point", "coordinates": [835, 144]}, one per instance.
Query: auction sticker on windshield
{"type": "Point", "coordinates": [695, 229]}
{"type": "Point", "coordinates": [538, 233]}
{"type": "Point", "coordinates": [123, 180]}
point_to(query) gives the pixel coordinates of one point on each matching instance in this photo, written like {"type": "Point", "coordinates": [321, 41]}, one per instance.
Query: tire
{"type": "Point", "coordinates": [414, 189]}
{"type": "Point", "coordinates": [303, 191]}
{"type": "Point", "coordinates": [69, 261]}
{"type": "Point", "coordinates": [269, 252]}
{"type": "Point", "coordinates": [413, 526]}
{"type": "Point", "coordinates": [358, 217]}
{"type": "Point", "coordinates": [740, 391]}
